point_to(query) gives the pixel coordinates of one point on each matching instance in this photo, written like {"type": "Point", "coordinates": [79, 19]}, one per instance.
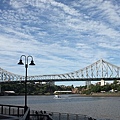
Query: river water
{"type": "Point", "coordinates": [96, 107]}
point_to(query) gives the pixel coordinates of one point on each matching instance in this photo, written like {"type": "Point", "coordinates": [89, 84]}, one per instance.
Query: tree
{"type": "Point", "coordinates": [96, 88]}
{"type": "Point", "coordinates": [115, 82]}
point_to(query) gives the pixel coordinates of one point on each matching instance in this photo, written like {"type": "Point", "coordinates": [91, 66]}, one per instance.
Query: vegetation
{"type": "Point", "coordinates": [114, 87]}
{"type": "Point", "coordinates": [38, 88]}
{"type": "Point", "coordinates": [34, 88]}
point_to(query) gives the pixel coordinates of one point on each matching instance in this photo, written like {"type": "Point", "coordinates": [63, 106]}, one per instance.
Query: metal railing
{"type": "Point", "coordinates": [57, 116]}
{"type": "Point", "coordinates": [26, 115]}
{"type": "Point", "coordinates": [19, 111]}
{"type": "Point", "coordinates": [9, 111]}
{"type": "Point", "coordinates": [12, 110]}
{"type": "Point", "coordinates": [40, 115]}
{"type": "Point", "coordinates": [68, 116]}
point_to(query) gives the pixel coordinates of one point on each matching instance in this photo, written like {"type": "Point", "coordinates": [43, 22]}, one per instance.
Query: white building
{"type": "Point", "coordinates": [102, 82]}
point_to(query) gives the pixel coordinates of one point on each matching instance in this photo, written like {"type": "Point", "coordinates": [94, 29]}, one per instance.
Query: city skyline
{"type": "Point", "coordinates": [62, 35]}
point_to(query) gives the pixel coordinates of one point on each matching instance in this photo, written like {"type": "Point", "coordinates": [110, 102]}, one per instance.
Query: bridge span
{"type": "Point", "coordinates": [100, 70]}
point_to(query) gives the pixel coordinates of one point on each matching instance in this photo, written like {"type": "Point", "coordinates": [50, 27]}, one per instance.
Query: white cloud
{"type": "Point", "coordinates": [62, 36]}
{"type": "Point", "coordinates": [113, 45]}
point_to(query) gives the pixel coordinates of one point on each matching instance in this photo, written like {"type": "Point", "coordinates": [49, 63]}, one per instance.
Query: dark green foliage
{"type": "Point", "coordinates": [38, 88]}
{"type": "Point", "coordinates": [34, 88]}
{"type": "Point", "coordinates": [97, 88]}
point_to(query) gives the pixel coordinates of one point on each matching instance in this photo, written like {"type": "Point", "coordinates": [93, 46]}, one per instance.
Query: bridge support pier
{"type": "Point", "coordinates": [88, 83]}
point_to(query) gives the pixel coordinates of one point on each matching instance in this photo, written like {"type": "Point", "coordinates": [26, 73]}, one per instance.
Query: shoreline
{"type": "Point", "coordinates": [99, 95]}
{"type": "Point", "coordinates": [72, 95]}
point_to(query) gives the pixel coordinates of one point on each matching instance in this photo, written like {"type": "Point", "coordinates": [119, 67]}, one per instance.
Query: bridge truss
{"type": "Point", "coordinates": [100, 70]}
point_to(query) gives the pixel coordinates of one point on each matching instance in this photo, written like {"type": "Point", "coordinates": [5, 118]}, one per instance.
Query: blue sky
{"type": "Point", "coordinates": [62, 35]}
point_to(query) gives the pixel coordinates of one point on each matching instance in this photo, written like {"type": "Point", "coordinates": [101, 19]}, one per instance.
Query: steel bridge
{"type": "Point", "coordinates": [100, 70]}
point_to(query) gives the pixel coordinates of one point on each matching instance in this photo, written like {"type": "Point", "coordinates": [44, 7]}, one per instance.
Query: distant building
{"type": "Point", "coordinates": [43, 83]}
{"type": "Point", "coordinates": [98, 83]}
{"type": "Point", "coordinates": [66, 92]}
{"type": "Point", "coordinates": [118, 82]}
{"type": "Point", "coordinates": [75, 90]}
{"type": "Point", "coordinates": [102, 82]}
{"type": "Point", "coordinates": [9, 92]}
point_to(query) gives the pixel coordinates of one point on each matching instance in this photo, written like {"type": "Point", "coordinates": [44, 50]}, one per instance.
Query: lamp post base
{"type": "Point", "coordinates": [25, 108]}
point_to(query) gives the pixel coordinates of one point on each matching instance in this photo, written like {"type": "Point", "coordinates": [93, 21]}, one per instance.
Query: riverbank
{"type": "Point", "coordinates": [100, 95]}
{"type": "Point", "coordinates": [106, 94]}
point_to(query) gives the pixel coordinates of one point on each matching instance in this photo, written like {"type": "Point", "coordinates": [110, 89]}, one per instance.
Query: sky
{"type": "Point", "coordinates": [62, 36]}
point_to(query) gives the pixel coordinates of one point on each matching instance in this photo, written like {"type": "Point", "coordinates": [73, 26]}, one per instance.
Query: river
{"type": "Point", "coordinates": [96, 107]}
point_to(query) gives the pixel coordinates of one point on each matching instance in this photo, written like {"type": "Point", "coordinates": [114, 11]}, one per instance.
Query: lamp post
{"type": "Point", "coordinates": [26, 66]}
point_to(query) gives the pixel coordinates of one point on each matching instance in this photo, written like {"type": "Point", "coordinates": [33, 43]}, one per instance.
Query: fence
{"type": "Point", "coordinates": [67, 116]}
{"type": "Point", "coordinates": [20, 114]}
{"type": "Point", "coordinates": [14, 112]}
{"type": "Point", "coordinates": [58, 116]}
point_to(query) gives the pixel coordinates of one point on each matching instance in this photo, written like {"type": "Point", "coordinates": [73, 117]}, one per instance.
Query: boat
{"type": "Point", "coordinates": [57, 96]}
